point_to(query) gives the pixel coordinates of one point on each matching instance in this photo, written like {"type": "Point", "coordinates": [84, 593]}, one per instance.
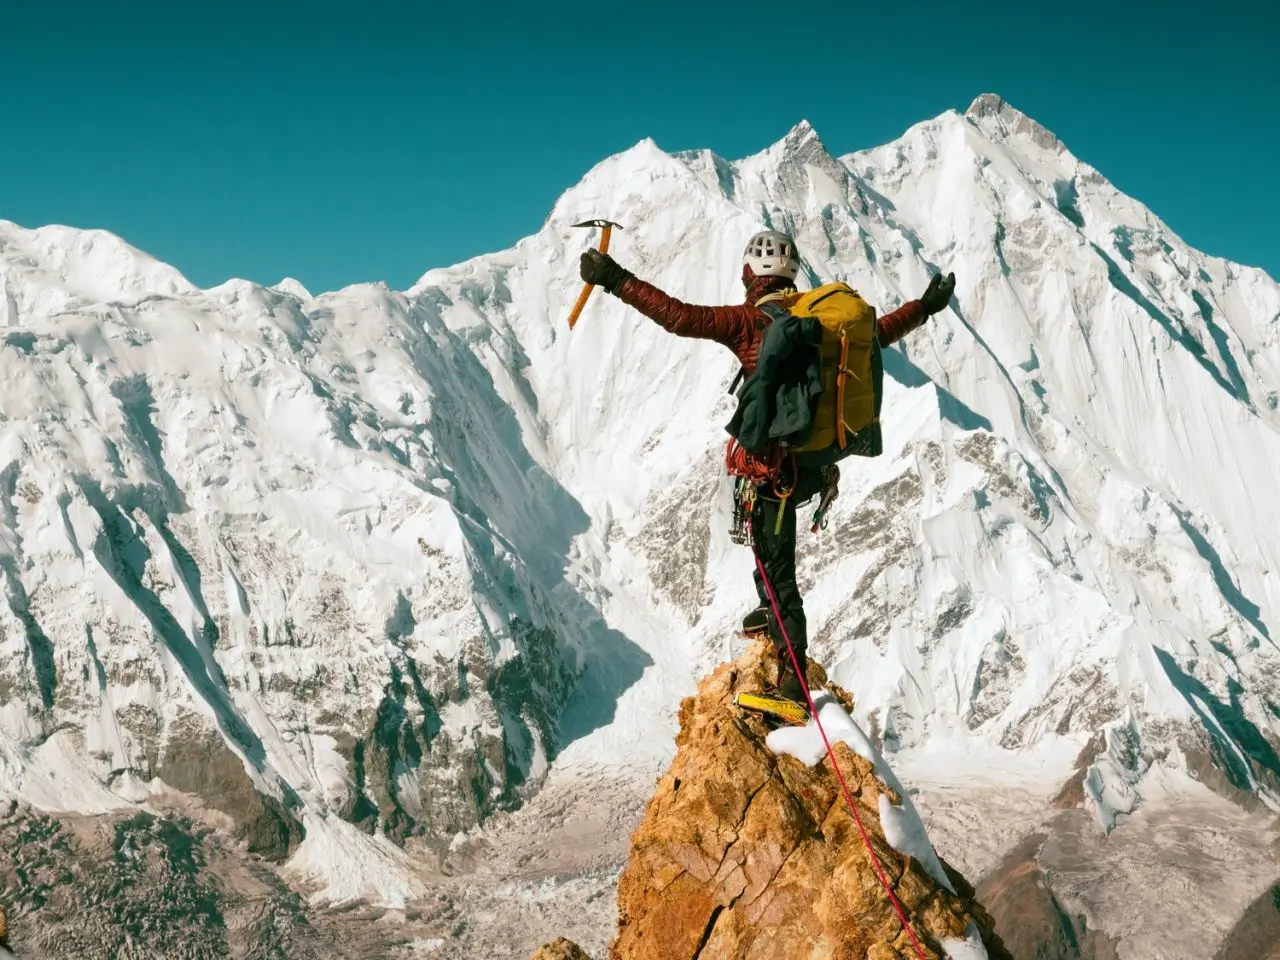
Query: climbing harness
{"type": "Point", "coordinates": [752, 472]}
{"type": "Point", "coordinates": [745, 493]}
{"type": "Point", "coordinates": [844, 787]}
{"type": "Point", "coordinates": [749, 473]}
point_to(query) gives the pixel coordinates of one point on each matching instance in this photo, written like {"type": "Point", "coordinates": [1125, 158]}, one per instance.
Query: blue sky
{"type": "Point", "coordinates": [339, 143]}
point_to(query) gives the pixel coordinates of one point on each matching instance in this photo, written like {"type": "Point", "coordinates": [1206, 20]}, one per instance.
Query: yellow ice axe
{"type": "Point", "coordinates": [606, 228]}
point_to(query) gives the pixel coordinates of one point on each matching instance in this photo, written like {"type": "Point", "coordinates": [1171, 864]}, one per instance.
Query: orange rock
{"type": "Point", "coordinates": [772, 862]}
{"type": "Point", "coordinates": [560, 949]}
{"type": "Point", "coordinates": [745, 855]}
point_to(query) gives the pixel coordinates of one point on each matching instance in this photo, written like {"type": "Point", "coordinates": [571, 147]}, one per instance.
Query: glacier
{"type": "Point", "coordinates": [364, 569]}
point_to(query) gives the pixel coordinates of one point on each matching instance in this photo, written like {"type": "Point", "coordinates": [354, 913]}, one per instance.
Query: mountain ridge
{"type": "Point", "coordinates": [504, 554]}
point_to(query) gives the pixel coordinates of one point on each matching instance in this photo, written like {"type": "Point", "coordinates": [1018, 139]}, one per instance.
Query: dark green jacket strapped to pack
{"type": "Point", "coordinates": [776, 402]}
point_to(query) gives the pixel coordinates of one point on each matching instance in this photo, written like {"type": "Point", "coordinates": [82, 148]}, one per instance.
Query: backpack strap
{"type": "Point", "coordinates": [840, 375]}
{"type": "Point", "coordinates": [777, 295]}
{"type": "Point", "coordinates": [742, 375]}
{"type": "Point", "coordinates": [773, 310]}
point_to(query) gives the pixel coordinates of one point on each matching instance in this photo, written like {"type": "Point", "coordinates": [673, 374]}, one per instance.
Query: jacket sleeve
{"type": "Point", "coordinates": [892, 327]}
{"type": "Point", "coordinates": [732, 326]}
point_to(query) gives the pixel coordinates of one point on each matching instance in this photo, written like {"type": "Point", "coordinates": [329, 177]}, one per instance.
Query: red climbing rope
{"type": "Point", "coordinates": [844, 788]}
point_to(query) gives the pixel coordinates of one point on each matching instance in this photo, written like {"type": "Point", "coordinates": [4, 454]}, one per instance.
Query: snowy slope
{"type": "Point", "coordinates": [402, 551]}
{"type": "Point", "coordinates": [1042, 554]}
{"type": "Point", "coordinates": [301, 530]}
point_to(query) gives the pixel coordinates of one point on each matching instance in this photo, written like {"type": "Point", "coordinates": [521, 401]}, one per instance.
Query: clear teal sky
{"type": "Point", "coordinates": [345, 142]}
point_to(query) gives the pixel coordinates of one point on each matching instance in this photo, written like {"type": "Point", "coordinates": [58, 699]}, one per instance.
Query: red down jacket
{"type": "Point", "coordinates": [741, 327]}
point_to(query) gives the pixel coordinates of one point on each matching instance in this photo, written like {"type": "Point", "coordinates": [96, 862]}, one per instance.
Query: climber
{"type": "Point", "coordinates": [769, 268]}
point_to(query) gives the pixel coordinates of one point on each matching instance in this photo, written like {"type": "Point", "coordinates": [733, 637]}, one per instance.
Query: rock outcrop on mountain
{"type": "Point", "coordinates": [560, 949]}
{"type": "Point", "coordinates": [748, 851]}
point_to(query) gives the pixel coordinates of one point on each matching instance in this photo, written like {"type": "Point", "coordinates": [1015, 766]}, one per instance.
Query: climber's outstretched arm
{"type": "Point", "coordinates": [732, 326]}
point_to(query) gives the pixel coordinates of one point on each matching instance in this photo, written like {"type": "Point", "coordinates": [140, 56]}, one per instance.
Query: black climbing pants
{"type": "Point", "coordinates": [775, 547]}
{"type": "Point", "coordinates": [777, 552]}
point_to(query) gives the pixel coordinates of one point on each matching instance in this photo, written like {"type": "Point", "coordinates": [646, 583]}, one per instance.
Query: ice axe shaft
{"type": "Point", "coordinates": [606, 230]}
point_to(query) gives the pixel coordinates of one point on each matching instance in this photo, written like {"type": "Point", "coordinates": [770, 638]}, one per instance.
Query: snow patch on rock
{"type": "Point", "coordinates": [903, 827]}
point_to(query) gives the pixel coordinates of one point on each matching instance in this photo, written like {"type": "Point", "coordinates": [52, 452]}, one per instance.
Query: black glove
{"type": "Point", "coordinates": [603, 271]}
{"type": "Point", "coordinates": [938, 294]}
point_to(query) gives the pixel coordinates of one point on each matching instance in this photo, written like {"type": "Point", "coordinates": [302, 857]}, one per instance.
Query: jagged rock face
{"type": "Point", "coordinates": [139, 885]}
{"type": "Point", "coordinates": [1033, 921]}
{"type": "Point", "coordinates": [1257, 934]}
{"type": "Point", "coordinates": [262, 550]}
{"type": "Point", "coordinates": [560, 949]}
{"type": "Point", "coordinates": [743, 853]}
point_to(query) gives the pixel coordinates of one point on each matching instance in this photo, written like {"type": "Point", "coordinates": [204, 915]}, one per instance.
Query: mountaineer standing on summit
{"type": "Point", "coordinates": [771, 477]}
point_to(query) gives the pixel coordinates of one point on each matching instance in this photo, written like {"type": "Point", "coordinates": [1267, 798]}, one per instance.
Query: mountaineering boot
{"type": "Point", "coordinates": [789, 684]}
{"type": "Point", "coordinates": [783, 702]}
{"type": "Point", "coordinates": [756, 622]}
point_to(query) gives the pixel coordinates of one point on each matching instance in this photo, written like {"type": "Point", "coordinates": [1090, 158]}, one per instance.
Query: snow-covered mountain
{"type": "Point", "coordinates": [366, 565]}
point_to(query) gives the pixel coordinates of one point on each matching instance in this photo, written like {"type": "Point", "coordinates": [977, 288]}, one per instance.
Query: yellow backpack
{"type": "Point", "coordinates": [846, 417]}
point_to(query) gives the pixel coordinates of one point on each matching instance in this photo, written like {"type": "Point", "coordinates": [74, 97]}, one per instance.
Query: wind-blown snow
{"type": "Point", "coordinates": [970, 948]}
{"type": "Point", "coordinates": [289, 519]}
{"type": "Point", "coordinates": [903, 828]}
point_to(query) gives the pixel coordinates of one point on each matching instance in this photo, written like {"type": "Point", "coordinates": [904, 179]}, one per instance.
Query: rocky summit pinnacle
{"type": "Point", "coordinates": [747, 850]}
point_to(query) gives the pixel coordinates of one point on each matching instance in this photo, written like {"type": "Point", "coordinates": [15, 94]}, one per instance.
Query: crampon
{"type": "Point", "coordinates": [776, 707]}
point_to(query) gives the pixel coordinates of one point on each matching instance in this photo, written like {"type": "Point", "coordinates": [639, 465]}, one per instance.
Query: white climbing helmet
{"type": "Point", "coordinates": [772, 254]}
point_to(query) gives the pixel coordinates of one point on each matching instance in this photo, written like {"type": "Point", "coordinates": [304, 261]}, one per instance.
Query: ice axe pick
{"type": "Point", "coordinates": [606, 228]}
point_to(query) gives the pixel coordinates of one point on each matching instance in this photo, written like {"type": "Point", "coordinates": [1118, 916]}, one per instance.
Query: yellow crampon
{"type": "Point", "coordinates": [780, 707]}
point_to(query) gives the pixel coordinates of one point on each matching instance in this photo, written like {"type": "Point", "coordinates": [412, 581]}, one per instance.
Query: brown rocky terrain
{"type": "Point", "coordinates": [744, 853]}
{"type": "Point", "coordinates": [561, 949]}
{"type": "Point", "coordinates": [1257, 934]}
{"type": "Point", "coordinates": [143, 886]}
{"type": "Point", "coordinates": [1035, 923]}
